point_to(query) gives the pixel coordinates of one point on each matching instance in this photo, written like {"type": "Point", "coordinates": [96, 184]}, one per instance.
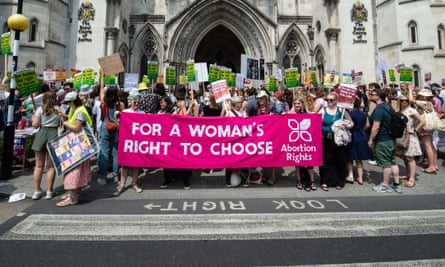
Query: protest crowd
{"type": "Point", "coordinates": [349, 136]}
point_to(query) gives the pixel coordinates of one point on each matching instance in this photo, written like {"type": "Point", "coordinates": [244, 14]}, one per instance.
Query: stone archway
{"type": "Point", "coordinates": [222, 47]}
{"type": "Point", "coordinates": [237, 21]}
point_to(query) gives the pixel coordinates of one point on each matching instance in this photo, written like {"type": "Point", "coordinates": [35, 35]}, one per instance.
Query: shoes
{"type": "Point", "coordinates": [313, 187]}
{"type": "Point", "coordinates": [299, 186]}
{"type": "Point", "coordinates": [50, 195]}
{"type": "Point", "coordinates": [381, 188]}
{"type": "Point", "coordinates": [397, 188]}
{"type": "Point", "coordinates": [67, 202]}
{"type": "Point", "coordinates": [372, 162]}
{"type": "Point", "coordinates": [350, 180]}
{"type": "Point", "coordinates": [37, 195]}
{"type": "Point", "coordinates": [410, 184]}
{"type": "Point", "coordinates": [115, 179]}
{"type": "Point", "coordinates": [102, 181]}
{"type": "Point", "coordinates": [271, 181]}
{"type": "Point", "coordinates": [165, 185]}
{"type": "Point", "coordinates": [118, 191]}
{"type": "Point", "coordinates": [338, 187]}
{"type": "Point", "coordinates": [187, 187]}
{"type": "Point", "coordinates": [245, 184]}
{"type": "Point", "coordinates": [137, 189]}
{"type": "Point", "coordinates": [360, 182]}
{"type": "Point", "coordinates": [324, 187]}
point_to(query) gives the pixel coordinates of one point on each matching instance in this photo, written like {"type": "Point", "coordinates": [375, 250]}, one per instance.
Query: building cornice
{"type": "Point", "coordinates": [390, 45]}
{"type": "Point", "coordinates": [383, 3]}
{"type": "Point", "coordinates": [439, 54]}
{"type": "Point", "coordinates": [153, 19]}
{"type": "Point", "coordinates": [417, 48]}
{"type": "Point", "coordinates": [437, 5]}
{"type": "Point", "coordinates": [295, 19]}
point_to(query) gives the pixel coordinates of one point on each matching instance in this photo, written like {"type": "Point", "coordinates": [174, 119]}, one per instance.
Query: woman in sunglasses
{"type": "Point", "coordinates": [333, 171]}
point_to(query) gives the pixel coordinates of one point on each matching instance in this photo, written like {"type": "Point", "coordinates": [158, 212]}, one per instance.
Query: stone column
{"type": "Point", "coordinates": [110, 40]}
{"type": "Point", "coordinates": [332, 36]}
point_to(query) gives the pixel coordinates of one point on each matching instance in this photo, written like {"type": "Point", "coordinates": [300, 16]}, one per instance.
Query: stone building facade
{"type": "Point", "coordinates": [325, 34]}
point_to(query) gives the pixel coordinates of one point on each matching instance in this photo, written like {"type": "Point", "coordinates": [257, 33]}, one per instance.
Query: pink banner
{"type": "Point", "coordinates": [172, 141]}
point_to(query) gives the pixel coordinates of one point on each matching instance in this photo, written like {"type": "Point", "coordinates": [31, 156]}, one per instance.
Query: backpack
{"type": "Point", "coordinates": [398, 123]}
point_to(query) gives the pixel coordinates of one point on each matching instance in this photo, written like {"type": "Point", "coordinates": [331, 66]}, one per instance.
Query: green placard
{"type": "Point", "coordinates": [110, 79]}
{"type": "Point", "coordinates": [145, 79]}
{"type": "Point", "coordinates": [406, 74]}
{"type": "Point", "coordinates": [314, 78]}
{"type": "Point", "coordinates": [191, 71]}
{"type": "Point", "coordinates": [292, 78]}
{"type": "Point", "coordinates": [77, 80]}
{"type": "Point", "coordinates": [171, 76]}
{"type": "Point", "coordinates": [27, 82]}
{"type": "Point", "coordinates": [231, 81]}
{"type": "Point", "coordinates": [273, 84]}
{"type": "Point", "coordinates": [213, 73]}
{"type": "Point", "coordinates": [152, 70]}
{"type": "Point", "coordinates": [88, 76]}
{"type": "Point", "coordinates": [6, 43]}
{"type": "Point", "coordinates": [392, 75]}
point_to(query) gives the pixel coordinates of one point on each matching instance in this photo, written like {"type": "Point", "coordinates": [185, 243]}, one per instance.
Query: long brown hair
{"type": "Point", "coordinates": [49, 103]}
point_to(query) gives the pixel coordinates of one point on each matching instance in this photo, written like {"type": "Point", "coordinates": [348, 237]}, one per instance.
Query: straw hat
{"type": "Point", "coordinates": [425, 92]}
{"type": "Point", "coordinates": [142, 86]}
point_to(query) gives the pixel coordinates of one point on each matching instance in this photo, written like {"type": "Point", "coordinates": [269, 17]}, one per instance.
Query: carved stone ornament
{"type": "Point", "coordinates": [86, 11]}
{"type": "Point", "coordinates": [358, 12]}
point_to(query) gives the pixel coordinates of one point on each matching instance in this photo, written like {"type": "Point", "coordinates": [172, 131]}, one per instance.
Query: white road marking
{"type": "Point", "coordinates": [227, 226]}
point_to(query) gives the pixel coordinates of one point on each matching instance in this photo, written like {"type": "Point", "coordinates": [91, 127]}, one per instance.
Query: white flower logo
{"type": "Point", "coordinates": [299, 130]}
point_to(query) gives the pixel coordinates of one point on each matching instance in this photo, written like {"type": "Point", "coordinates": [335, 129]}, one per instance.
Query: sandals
{"type": "Point", "coordinates": [324, 187]}
{"type": "Point", "coordinates": [67, 202]}
{"type": "Point", "coordinates": [299, 186]}
{"type": "Point", "coordinates": [410, 183]}
{"type": "Point", "coordinates": [313, 187]}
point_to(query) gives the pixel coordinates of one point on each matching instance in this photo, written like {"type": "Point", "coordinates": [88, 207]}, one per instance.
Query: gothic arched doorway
{"type": "Point", "coordinates": [220, 46]}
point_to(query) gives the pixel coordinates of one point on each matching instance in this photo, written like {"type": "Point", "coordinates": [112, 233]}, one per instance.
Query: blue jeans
{"type": "Point", "coordinates": [107, 144]}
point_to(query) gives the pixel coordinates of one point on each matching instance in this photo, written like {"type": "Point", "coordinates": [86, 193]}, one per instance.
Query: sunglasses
{"type": "Point", "coordinates": [330, 100]}
{"type": "Point", "coordinates": [404, 100]}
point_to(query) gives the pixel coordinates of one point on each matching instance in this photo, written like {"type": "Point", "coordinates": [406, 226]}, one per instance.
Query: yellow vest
{"type": "Point", "coordinates": [73, 114]}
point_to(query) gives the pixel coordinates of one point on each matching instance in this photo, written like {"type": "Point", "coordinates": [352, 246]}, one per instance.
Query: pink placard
{"type": "Point", "coordinates": [173, 141]}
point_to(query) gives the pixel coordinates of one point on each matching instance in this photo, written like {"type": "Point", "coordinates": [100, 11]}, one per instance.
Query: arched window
{"type": "Point", "coordinates": [416, 75]}
{"type": "Point", "coordinates": [440, 36]}
{"type": "Point", "coordinates": [33, 26]}
{"type": "Point", "coordinates": [291, 57]}
{"type": "Point", "coordinates": [412, 31]}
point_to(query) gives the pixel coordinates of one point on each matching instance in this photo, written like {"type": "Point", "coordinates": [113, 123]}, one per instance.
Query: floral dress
{"type": "Point", "coordinates": [413, 149]}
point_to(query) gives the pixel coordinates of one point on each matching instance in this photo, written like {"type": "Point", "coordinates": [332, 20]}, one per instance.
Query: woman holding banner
{"type": "Point", "coordinates": [47, 119]}
{"type": "Point", "coordinates": [80, 176]}
{"type": "Point", "coordinates": [134, 99]}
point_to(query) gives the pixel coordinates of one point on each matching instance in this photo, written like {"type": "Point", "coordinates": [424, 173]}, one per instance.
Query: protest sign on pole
{"type": "Point", "coordinates": [191, 76]}
{"type": "Point", "coordinates": [392, 75]}
{"type": "Point", "coordinates": [27, 82]}
{"type": "Point", "coordinates": [213, 73]}
{"type": "Point", "coordinates": [77, 80]}
{"type": "Point", "coordinates": [111, 64]}
{"type": "Point", "coordinates": [71, 149]}
{"type": "Point", "coordinates": [6, 43]}
{"type": "Point", "coordinates": [239, 80]}
{"type": "Point", "coordinates": [168, 141]}
{"type": "Point", "coordinates": [171, 75]}
{"type": "Point", "coordinates": [221, 91]}
{"type": "Point", "coordinates": [346, 78]}
{"type": "Point", "coordinates": [273, 84]}
{"type": "Point", "coordinates": [202, 74]}
{"type": "Point", "coordinates": [346, 96]}
{"type": "Point", "coordinates": [292, 77]}
{"type": "Point", "coordinates": [88, 76]}
{"type": "Point", "coordinates": [406, 74]}
{"type": "Point", "coordinates": [152, 70]}
{"type": "Point", "coordinates": [131, 81]}
{"type": "Point", "coordinates": [183, 79]}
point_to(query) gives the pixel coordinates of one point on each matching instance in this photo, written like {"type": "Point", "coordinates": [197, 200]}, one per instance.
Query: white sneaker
{"type": "Point", "coordinates": [115, 179]}
{"type": "Point", "coordinates": [372, 162]}
{"type": "Point", "coordinates": [102, 181]}
{"type": "Point", "coordinates": [50, 195]}
{"type": "Point", "coordinates": [37, 195]}
{"type": "Point", "coordinates": [137, 189]}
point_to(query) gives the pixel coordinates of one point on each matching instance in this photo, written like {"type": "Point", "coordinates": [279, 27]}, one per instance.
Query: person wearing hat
{"type": "Point", "coordinates": [80, 176]}
{"type": "Point", "coordinates": [84, 95]}
{"type": "Point", "coordinates": [424, 103]}
{"type": "Point", "coordinates": [233, 108]}
{"type": "Point", "coordinates": [133, 99]}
